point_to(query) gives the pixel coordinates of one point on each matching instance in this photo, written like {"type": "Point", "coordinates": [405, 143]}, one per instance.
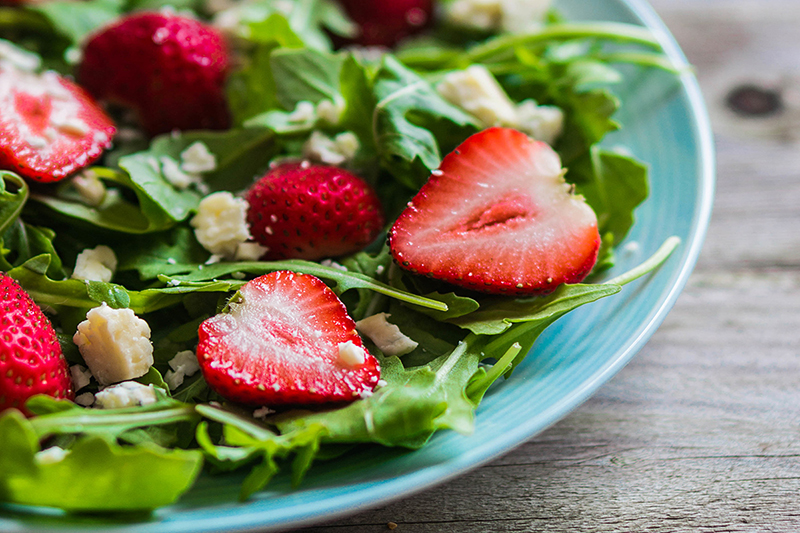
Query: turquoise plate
{"type": "Point", "coordinates": [665, 124]}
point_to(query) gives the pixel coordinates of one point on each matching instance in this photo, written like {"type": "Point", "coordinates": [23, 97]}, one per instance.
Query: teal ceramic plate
{"type": "Point", "coordinates": [665, 125]}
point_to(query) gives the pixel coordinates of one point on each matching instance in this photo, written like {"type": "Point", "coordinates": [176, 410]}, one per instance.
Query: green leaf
{"type": "Point", "coordinates": [408, 409]}
{"type": "Point", "coordinates": [407, 113]}
{"type": "Point", "coordinates": [620, 185]}
{"type": "Point", "coordinates": [77, 20]}
{"type": "Point", "coordinates": [343, 281]}
{"type": "Point", "coordinates": [305, 75]}
{"type": "Point", "coordinates": [12, 199]}
{"type": "Point", "coordinates": [94, 475]}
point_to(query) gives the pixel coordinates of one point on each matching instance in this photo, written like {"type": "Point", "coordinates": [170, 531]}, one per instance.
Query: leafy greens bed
{"type": "Point", "coordinates": [466, 342]}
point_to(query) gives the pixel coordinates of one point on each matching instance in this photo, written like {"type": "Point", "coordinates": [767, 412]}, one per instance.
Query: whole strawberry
{"type": "Point", "coordinates": [49, 127]}
{"type": "Point", "coordinates": [305, 211]}
{"type": "Point", "coordinates": [498, 217]}
{"type": "Point", "coordinates": [30, 356]}
{"type": "Point", "coordinates": [286, 340]}
{"type": "Point", "coordinates": [385, 22]}
{"type": "Point", "coordinates": [170, 69]}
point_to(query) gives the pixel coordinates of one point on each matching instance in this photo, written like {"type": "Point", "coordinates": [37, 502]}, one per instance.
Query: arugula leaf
{"type": "Point", "coordinates": [22, 242]}
{"type": "Point", "coordinates": [95, 474]}
{"type": "Point", "coordinates": [343, 281]}
{"type": "Point", "coordinates": [12, 199]}
{"type": "Point", "coordinates": [76, 21]}
{"type": "Point", "coordinates": [409, 116]}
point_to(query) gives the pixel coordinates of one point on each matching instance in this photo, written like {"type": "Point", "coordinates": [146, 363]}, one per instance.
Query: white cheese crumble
{"type": "Point", "coordinates": [515, 16]}
{"type": "Point", "coordinates": [172, 172]}
{"type": "Point", "coordinates": [478, 93]}
{"type": "Point", "coordinates": [221, 223]}
{"type": "Point", "coordinates": [336, 151]}
{"type": "Point", "coordinates": [263, 412]}
{"type": "Point", "coordinates": [126, 394]}
{"type": "Point", "coordinates": [86, 399]}
{"type": "Point", "coordinates": [51, 455]}
{"type": "Point", "coordinates": [542, 122]}
{"type": "Point", "coordinates": [197, 159]}
{"type": "Point", "coordinates": [333, 264]}
{"type": "Point", "coordinates": [115, 344]}
{"type": "Point", "coordinates": [89, 187]}
{"type": "Point", "coordinates": [250, 251]}
{"type": "Point", "coordinates": [18, 57]}
{"type": "Point", "coordinates": [184, 364]}
{"type": "Point", "coordinates": [95, 264]}
{"type": "Point", "coordinates": [80, 376]}
{"type": "Point", "coordinates": [351, 355]}
{"type": "Point", "coordinates": [386, 336]}
{"type": "Point", "coordinates": [304, 113]}
{"type": "Point", "coordinates": [330, 111]}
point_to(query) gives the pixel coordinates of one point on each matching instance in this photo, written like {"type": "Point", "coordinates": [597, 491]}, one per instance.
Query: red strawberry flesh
{"type": "Point", "coordinates": [31, 361]}
{"type": "Point", "coordinates": [305, 211]}
{"type": "Point", "coordinates": [280, 344]}
{"type": "Point", "coordinates": [498, 217]}
{"type": "Point", "coordinates": [49, 127]}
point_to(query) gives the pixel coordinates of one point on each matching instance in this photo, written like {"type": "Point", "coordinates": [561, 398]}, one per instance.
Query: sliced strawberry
{"type": "Point", "coordinates": [287, 340]}
{"type": "Point", "coordinates": [31, 361]}
{"type": "Point", "coordinates": [305, 211]}
{"type": "Point", "coordinates": [498, 217]}
{"type": "Point", "coordinates": [49, 127]}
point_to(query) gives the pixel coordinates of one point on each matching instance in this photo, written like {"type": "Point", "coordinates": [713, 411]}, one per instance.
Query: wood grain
{"type": "Point", "coordinates": [701, 432]}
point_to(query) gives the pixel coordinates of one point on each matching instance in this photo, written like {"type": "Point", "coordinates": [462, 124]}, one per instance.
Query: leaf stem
{"type": "Point", "coordinates": [655, 260]}
{"type": "Point", "coordinates": [85, 421]}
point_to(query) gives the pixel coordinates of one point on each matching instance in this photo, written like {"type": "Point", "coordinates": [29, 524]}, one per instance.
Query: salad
{"type": "Point", "coordinates": [164, 203]}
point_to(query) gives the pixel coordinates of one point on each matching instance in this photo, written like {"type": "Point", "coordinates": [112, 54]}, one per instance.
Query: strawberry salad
{"type": "Point", "coordinates": [245, 236]}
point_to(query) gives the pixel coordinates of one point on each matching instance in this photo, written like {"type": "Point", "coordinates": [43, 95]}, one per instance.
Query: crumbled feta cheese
{"type": "Point", "coordinates": [477, 92]}
{"type": "Point", "coordinates": [126, 394]}
{"type": "Point", "coordinates": [115, 344]}
{"type": "Point", "coordinates": [515, 16]}
{"type": "Point", "coordinates": [386, 336]}
{"type": "Point", "coordinates": [250, 251]}
{"type": "Point", "coordinates": [542, 122]}
{"type": "Point", "coordinates": [184, 364]}
{"type": "Point", "coordinates": [333, 264]}
{"type": "Point", "coordinates": [221, 223]}
{"type": "Point", "coordinates": [382, 383]}
{"type": "Point", "coordinates": [263, 412]}
{"type": "Point", "coordinates": [90, 187]}
{"type": "Point", "coordinates": [351, 355]}
{"type": "Point", "coordinates": [379, 269]}
{"type": "Point", "coordinates": [51, 455]}
{"type": "Point", "coordinates": [172, 172]}
{"type": "Point", "coordinates": [336, 151]}
{"type": "Point", "coordinates": [18, 57]}
{"type": "Point", "coordinates": [95, 264]}
{"type": "Point", "coordinates": [80, 376]}
{"type": "Point", "coordinates": [197, 158]}
{"type": "Point", "coordinates": [86, 399]}
{"type": "Point", "coordinates": [73, 55]}
{"type": "Point", "coordinates": [304, 112]}
{"type": "Point", "coordinates": [330, 111]}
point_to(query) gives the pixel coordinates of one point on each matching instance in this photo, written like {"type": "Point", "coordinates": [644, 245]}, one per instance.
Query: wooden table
{"type": "Point", "coordinates": [701, 432]}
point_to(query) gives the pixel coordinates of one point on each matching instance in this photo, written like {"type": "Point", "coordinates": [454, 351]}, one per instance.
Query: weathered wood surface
{"type": "Point", "coordinates": [701, 432]}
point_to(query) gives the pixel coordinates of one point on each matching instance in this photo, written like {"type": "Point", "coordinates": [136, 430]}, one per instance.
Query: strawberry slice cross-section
{"type": "Point", "coordinates": [49, 127]}
{"type": "Point", "coordinates": [287, 340]}
{"type": "Point", "coordinates": [498, 217]}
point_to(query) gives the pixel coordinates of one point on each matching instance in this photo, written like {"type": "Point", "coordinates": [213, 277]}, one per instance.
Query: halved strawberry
{"type": "Point", "coordinates": [287, 340]}
{"type": "Point", "coordinates": [31, 361]}
{"type": "Point", "coordinates": [49, 127]}
{"type": "Point", "coordinates": [498, 217]}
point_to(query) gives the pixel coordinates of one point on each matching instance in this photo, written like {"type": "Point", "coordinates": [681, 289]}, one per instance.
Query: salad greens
{"type": "Point", "coordinates": [91, 459]}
